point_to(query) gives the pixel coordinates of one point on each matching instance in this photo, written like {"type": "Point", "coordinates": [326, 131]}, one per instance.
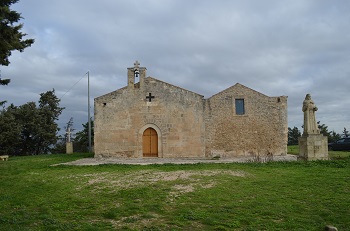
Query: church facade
{"type": "Point", "coordinates": [152, 118]}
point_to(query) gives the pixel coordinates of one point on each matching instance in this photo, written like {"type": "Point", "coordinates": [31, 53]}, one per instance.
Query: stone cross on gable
{"type": "Point", "coordinates": [150, 97]}
{"type": "Point", "coordinates": [136, 64]}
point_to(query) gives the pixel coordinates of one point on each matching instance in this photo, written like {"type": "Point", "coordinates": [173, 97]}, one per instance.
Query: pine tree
{"type": "Point", "coordinates": [293, 135]}
{"type": "Point", "coordinates": [30, 129]}
{"type": "Point", "coordinates": [81, 140]}
{"type": "Point", "coordinates": [11, 38]}
{"type": "Point", "coordinates": [3, 82]}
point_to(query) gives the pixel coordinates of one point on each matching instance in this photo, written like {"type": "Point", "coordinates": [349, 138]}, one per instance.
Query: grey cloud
{"type": "Point", "coordinates": [275, 47]}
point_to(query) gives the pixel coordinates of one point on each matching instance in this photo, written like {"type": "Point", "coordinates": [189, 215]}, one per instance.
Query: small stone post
{"type": "Point", "coordinates": [69, 144]}
{"type": "Point", "coordinates": [312, 144]}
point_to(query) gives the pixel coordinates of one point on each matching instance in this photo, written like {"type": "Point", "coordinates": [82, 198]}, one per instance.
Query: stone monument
{"type": "Point", "coordinates": [69, 144]}
{"type": "Point", "coordinates": [312, 144]}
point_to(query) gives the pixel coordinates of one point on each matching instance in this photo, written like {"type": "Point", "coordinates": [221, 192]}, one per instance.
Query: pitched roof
{"type": "Point", "coordinates": [149, 78]}
{"type": "Point", "coordinates": [235, 86]}
{"type": "Point", "coordinates": [171, 85]}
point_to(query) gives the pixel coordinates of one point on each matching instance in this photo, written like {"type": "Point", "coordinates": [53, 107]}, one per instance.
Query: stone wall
{"type": "Point", "coordinates": [261, 130]}
{"type": "Point", "coordinates": [176, 114]}
{"type": "Point", "coordinates": [188, 125]}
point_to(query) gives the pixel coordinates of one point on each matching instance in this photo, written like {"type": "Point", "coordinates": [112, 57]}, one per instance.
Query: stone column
{"type": "Point", "coordinates": [69, 147]}
{"type": "Point", "coordinates": [69, 144]}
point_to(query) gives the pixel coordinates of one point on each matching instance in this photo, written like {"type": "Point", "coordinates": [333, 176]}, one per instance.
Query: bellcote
{"type": "Point", "coordinates": [136, 76]}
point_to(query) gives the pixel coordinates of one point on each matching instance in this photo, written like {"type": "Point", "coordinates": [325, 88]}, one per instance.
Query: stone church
{"type": "Point", "coordinates": [152, 118]}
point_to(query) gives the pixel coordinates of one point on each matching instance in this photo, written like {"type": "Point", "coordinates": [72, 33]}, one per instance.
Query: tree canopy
{"type": "Point", "coordinates": [11, 38]}
{"type": "Point", "coordinates": [30, 129]}
{"type": "Point", "coordinates": [81, 140]}
{"type": "Point", "coordinates": [293, 135]}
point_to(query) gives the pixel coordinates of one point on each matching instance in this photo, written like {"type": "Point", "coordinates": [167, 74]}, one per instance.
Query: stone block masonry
{"type": "Point", "coordinates": [261, 130]}
{"type": "Point", "coordinates": [184, 123]}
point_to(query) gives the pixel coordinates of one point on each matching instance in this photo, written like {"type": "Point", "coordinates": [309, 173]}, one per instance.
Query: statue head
{"type": "Point", "coordinates": [308, 97]}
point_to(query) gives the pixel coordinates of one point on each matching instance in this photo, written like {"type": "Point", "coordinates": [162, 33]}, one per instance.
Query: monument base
{"type": "Point", "coordinates": [69, 147]}
{"type": "Point", "coordinates": [313, 147]}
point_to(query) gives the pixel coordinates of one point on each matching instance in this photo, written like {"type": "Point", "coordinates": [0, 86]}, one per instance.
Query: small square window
{"type": "Point", "coordinates": [239, 103]}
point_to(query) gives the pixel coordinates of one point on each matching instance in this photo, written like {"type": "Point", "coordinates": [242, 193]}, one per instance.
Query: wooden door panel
{"type": "Point", "coordinates": [154, 145]}
{"type": "Point", "coordinates": [150, 143]}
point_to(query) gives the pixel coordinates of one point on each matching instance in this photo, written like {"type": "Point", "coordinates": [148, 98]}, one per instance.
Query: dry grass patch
{"type": "Point", "coordinates": [137, 221]}
{"type": "Point", "coordinates": [174, 184]}
{"type": "Point", "coordinates": [146, 177]}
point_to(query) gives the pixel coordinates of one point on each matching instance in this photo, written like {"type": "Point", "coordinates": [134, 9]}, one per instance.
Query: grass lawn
{"type": "Point", "coordinates": [240, 196]}
{"type": "Point", "coordinates": [333, 155]}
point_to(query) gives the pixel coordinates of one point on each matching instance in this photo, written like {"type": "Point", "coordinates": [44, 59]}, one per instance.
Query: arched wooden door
{"type": "Point", "coordinates": [150, 143]}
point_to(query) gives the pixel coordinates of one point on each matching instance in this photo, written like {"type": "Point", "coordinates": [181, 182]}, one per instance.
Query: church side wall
{"type": "Point", "coordinates": [261, 130]}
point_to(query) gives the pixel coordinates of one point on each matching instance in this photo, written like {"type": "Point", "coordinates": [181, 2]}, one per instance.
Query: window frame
{"type": "Point", "coordinates": [240, 106]}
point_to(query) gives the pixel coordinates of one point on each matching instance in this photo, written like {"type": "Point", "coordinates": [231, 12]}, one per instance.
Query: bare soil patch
{"type": "Point", "coordinates": [148, 161]}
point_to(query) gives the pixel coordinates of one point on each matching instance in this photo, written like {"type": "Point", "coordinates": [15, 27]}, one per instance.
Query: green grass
{"type": "Point", "coordinates": [240, 196]}
{"type": "Point", "coordinates": [294, 149]}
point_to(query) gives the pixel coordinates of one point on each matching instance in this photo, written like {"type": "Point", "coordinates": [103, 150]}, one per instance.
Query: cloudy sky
{"type": "Point", "coordinates": [276, 47]}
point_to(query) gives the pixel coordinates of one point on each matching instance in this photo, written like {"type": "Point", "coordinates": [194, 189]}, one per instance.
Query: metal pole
{"type": "Point", "coordinates": [89, 119]}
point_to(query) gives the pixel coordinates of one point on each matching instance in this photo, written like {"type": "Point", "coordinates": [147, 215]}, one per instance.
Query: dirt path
{"type": "Point", "coordinates": [147, 161]}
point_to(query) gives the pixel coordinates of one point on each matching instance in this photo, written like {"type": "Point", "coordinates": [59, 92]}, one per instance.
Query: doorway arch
{"type": "Point", "coordinates": [150, 143]}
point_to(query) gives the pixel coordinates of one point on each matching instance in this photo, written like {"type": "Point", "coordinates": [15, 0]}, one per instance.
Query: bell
{"type": "Point", "coordinates": [136, 72]}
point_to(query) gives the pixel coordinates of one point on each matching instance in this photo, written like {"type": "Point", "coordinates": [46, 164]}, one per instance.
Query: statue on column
{"type": "Point", "coordinates": [312, 145]}
{"type": "Point", "coordinates": [309, 109]}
